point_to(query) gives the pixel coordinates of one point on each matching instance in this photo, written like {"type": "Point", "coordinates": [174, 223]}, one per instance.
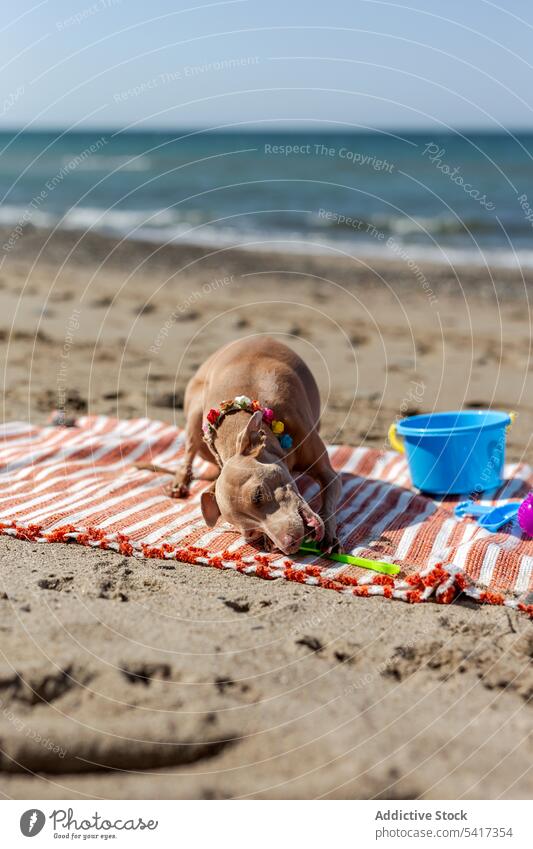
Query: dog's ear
{"type": "Point", "coordinates": [252, 439]}
{"type": "Point", "coordinates": [209, 505]}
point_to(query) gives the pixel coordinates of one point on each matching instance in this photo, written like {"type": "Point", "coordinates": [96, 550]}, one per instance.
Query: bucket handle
{"type": "Point", "coordinates": [396, 443]}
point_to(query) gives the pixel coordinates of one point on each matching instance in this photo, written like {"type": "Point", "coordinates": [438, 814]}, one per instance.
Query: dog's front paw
{"type": "Point", "coordinates": [329, 543]}
{"type": "Point", "coordinates": [180, 490]}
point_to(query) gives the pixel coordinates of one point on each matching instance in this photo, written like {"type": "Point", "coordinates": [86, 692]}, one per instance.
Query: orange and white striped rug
{"type": "Point", "coordinates": [79, 483]}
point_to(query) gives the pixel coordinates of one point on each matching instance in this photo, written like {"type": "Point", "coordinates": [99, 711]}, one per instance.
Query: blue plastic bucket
{"type": "Point", "coordinates": [454, 453]}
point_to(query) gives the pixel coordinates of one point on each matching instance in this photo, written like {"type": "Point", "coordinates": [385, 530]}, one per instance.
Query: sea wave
{"type": "Point", "coordinates": [438, 225]}
{"type": "Point", "coordinates": [13, 214]}
{"type": "Point", "coordinates": [103, 162]}
{"type": "Point", "coordinates": [123, 221]}
{"type": "Point", "coordinates": [172, 226]}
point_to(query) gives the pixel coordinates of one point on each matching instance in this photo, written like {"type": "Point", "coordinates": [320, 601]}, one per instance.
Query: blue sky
{"type": "Point", "coordinates": [355, 64]}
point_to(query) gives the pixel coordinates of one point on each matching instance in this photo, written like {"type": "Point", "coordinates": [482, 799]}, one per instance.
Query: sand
{"type": "Point", "coordinates": [124, 679]}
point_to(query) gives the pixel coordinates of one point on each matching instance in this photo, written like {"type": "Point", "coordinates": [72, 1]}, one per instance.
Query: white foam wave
{"type": "Point", "coordinates": [13, 214]}
{"type": "Point", "coordinates": [172, 227]}
{"type": "Point", "coordinates": [120, 221]}
{"type": "Point", "coordinates": [102, 162]}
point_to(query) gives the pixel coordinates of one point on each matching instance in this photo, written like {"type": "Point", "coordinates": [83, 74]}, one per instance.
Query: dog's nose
{"type": "Point", "coordinates": [289, 543]}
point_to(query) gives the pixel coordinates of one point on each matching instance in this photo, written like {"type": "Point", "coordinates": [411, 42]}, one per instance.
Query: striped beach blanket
{"type": "Point", "coordinates": [79, 483]}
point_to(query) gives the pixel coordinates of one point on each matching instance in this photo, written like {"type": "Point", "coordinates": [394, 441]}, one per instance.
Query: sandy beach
{"type": "Point", "coordinates": [125, 679]}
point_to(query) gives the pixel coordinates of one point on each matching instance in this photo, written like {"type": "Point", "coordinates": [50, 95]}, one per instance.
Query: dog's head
{"type": "Point", "coordinates": [258, 496]}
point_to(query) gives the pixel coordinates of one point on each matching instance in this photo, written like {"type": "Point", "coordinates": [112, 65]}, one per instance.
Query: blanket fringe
{"type": "Point", "coordinates": [442, 583]}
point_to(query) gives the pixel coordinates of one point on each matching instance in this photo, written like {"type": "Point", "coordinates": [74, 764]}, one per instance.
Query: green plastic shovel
{"type": "Point", "coordinates": [375, 565]}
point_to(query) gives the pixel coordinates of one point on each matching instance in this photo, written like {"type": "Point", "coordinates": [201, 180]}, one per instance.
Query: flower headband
{"type": "Point", "coordinates": [215, 417]}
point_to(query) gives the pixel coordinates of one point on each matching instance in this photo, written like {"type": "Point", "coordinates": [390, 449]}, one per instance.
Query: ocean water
{"type": "Point", "coordinates": [447, 198]}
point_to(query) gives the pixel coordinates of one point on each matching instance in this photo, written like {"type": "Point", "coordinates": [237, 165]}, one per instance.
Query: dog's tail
{"type": "Point", "coordinates": [150, 467]}
{"type": "Point", "coordinates": [209, 474]}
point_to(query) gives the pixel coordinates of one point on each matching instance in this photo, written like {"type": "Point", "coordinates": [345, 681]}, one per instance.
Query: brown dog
{"type": "Point", "coordinates": [255, 489]}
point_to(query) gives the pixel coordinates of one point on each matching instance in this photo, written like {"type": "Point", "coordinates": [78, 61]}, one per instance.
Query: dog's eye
{"type": "Point", "coordinates": [257, 496]}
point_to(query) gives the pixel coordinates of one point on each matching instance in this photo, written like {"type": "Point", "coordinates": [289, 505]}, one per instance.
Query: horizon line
{"type": "Point", "coordinates": [274, 129]}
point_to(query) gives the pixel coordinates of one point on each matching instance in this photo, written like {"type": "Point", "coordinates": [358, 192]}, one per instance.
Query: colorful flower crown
{"type": "Point", "coordinates": [215, 417]}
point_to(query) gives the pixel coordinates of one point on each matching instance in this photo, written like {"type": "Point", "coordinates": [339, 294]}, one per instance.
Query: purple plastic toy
{"type": "Point", "coordinates": [525, 515]}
